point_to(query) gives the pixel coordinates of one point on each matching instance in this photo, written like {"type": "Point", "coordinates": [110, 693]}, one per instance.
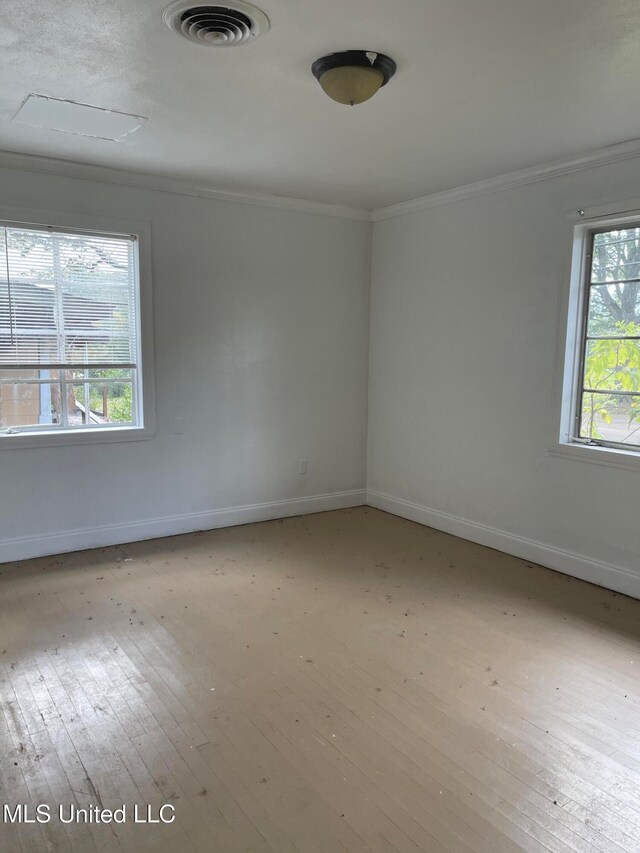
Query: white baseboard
{"type": "Point", "coordinates": [602, 574]}
{"type": "Point", "coordinates": [576, 565]}
{"type": "Point", "coordinates": [135, 531]}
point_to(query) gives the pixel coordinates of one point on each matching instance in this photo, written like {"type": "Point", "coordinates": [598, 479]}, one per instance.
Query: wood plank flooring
{"type": "Point", "coordinates": [347, 681]}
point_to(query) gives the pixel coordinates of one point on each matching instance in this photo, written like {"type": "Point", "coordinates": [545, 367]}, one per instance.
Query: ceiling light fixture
{"type": "Point", "coordinates": [353, 76]}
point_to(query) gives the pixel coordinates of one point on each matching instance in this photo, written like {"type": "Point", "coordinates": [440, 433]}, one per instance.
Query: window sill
{"type": "Point", "coordinates": [629, 459]}
{"type": "Point", "coordinates": [23, 440]}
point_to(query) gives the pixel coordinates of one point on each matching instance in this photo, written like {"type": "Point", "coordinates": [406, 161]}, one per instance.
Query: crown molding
{"type": "Point", "coordinates": [600, 157]}
{"type": "Point", "coordinates": [141, 180]}
{"type": "Point", "coordinates": [158, 183]}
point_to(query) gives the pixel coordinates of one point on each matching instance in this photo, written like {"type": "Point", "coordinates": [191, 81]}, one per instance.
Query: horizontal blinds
{"type": "Point", "coordinates": [66, 299]}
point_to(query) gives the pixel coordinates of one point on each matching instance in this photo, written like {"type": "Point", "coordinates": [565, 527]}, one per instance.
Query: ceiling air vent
{"type": "Point", "coordinates": [216, 26]}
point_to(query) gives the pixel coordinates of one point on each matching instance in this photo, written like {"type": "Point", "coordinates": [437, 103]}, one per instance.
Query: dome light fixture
{"type": "Point", "coordinates": [353, 76]}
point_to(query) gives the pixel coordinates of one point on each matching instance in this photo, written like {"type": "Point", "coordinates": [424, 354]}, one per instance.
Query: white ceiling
{"type": "Point", "coordinates": [483, 87]}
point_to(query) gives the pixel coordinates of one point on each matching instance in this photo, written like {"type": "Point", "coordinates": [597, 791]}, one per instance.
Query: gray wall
{"type": "Point", "coordinates": [464, 334]}
{"type": "Point", "coordinates": [261, 344]}
{"type": "Point", "coordinates": [262, 338]}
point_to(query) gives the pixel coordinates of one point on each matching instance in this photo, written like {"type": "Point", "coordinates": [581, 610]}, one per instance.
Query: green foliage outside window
{"type": "Point", "coordinates": [117, 395]}
{"type": "Point", "coordinates": [611, 378]}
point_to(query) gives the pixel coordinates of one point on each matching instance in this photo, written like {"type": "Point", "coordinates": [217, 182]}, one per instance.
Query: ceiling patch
{"type": "Point", "coordinates": [80, 119]}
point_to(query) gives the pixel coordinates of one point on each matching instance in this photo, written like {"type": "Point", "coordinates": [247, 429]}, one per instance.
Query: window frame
{"type": "Point", "coordinates": [573, 314]}
{"type": "Point", "coordinates": [77, 222]}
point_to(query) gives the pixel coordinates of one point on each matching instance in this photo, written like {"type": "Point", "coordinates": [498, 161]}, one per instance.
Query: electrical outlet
{"type": "Point", "coordinates": [302, 466]}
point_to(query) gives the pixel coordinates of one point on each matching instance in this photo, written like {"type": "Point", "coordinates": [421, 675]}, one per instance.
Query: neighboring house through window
{"type": "Point", "coordinates": [70, 348]}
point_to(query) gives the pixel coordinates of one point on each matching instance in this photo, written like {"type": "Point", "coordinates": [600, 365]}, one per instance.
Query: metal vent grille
{"type": "Point", "coordinates": [216, 26]}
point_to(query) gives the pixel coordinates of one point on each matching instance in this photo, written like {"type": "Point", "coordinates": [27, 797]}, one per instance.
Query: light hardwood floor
{"type": "Point", "coordinates": [340, 682]}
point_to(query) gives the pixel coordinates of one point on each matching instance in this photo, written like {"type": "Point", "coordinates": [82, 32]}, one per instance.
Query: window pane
{"type": "Point", "coordinates": [98, 323]}
{"type": "Point", "coordinates": [29, 399]}
{"type": "Point", "coordinates": [612, 365]}
{"type": "Point", "coordinates": [108, 402]}
{"type": "Point", "coordinates": [611, 417]}
{"type": "Point", "coordinates": [614, 309]}
{"type": "Point", "coordinates": [97, 296]}
{"type": "Point", "coordinates": [66, 298]}
{"type": "Point", "coordinates": [616, 255]}
{"type": "Point", "coordinates": [68, 329]}
{"type": "Point", "coordinates": [109, 374]}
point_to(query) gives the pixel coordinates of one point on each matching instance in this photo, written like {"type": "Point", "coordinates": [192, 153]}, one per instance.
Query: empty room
{"type": "Point", "coordinates": [320, 426]}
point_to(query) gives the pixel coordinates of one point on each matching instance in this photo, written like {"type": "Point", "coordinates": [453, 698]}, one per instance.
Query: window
{"type": "Point", "coordinates": [602, 372]}
{"type": "Point", "coordinates": [69, 332]}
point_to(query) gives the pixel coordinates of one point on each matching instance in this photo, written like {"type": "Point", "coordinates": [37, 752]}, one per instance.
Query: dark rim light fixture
{"type": "Point", "coordinates": [353, 76]}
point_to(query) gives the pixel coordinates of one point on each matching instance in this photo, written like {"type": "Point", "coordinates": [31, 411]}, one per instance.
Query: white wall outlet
{"type": "Point", "coordinates": [177, 426]}
{"type": "Point", "coordinates": [302, 466]}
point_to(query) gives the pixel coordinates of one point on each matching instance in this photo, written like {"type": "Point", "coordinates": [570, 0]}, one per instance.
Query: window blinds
{"type": "Point", "coordinates": [67, 299]}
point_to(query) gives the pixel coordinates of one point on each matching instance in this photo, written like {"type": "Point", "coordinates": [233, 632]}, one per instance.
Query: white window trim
{"type": "Point", "coordinates": [570, 331]}
{"type": "Point", "coordinates": [78, 436]}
